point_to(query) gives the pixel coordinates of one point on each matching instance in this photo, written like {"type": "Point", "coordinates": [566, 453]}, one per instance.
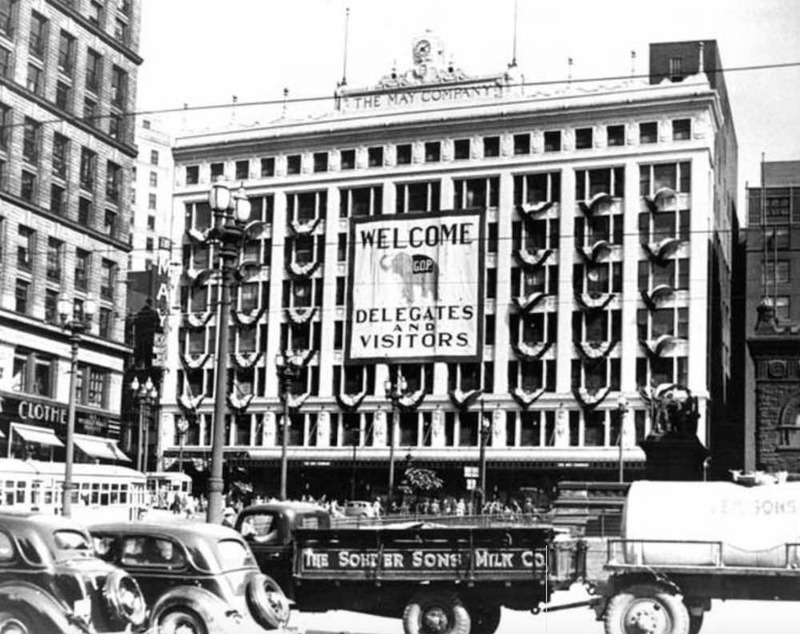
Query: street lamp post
{"type": "Point", "coordinates": [146, 396]}
{"type": "Point", "coordinates": [289, 366]}
{"type": "Point", "coordinates": [395, 390]}
{"type": "Point", "coordinates": [182, 425]}
{"type": "Point", "coordinates": [227, 234]}
{"type": "Point", "coordinates": [622, 408]}
{"type": "Point", "coordinates": [75, 324]}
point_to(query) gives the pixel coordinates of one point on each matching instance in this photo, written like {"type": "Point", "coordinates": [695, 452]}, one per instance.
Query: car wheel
{"type": "Point", "coordinates": [267, 602]}
{"type": "Point", "coordinates": [13, 622]}
{"type": "Point", "coordinates": [436, 613]}
{"type": "Point", "coordinates": [181, 622]}
{"type": "Point", "coordinates": [124, 598]}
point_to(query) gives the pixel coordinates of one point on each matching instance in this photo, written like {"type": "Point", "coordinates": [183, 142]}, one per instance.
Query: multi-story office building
{"type": "Point", "coordinates": [531, 260]}
{"type": "Point", "coordinates": [67, 91]}
{"type": "Point", "coordinates": [772, 317]}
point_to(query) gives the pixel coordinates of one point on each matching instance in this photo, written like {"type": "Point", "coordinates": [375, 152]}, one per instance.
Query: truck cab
{"type": "Point", "coordinates": [269, 530]}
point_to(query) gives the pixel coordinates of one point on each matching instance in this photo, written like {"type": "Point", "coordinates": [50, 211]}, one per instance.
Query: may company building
{"type": "Point", "coordinates": [531, 260]}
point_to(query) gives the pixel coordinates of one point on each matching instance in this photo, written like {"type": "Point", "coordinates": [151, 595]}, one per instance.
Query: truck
{"type": "Point", "coordinates": [684, 544]}
{"type": "Point", "coordinates": [439, 580]}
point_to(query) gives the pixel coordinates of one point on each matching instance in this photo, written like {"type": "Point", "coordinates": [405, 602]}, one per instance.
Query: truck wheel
{"type": "Point", "coordinates": [695, 623]}
{"type": "Point", "coordinates": [436, 613]}
{"type": "Point", "coordinates": [485, 619]}
{"type": "Point", "coordinates": [181, 622]}
{"type": "Point", "coordinates": [646, 609]}
{"type": "Point", "coordinates": [14, 622]}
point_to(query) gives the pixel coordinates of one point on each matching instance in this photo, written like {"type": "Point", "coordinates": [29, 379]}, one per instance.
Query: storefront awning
{"type": "Point", "coordinates": [100, 448]}
{"type": "Point", "coordinates": [38, 435]}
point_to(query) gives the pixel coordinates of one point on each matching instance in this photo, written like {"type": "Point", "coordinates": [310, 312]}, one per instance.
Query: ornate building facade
{"type": "Point", "coordinates": [602, 215]}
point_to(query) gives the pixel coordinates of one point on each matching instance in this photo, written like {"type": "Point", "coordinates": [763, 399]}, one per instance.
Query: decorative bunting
{"type": "Point", "coordinates": [593, 301]}
{"type": "Point", "coordinates": [590, 399]}
{"type": "Point", "coordinates": [659, 199]}
{"type": "Point", "coordinates": [595, 252]}
{"type": "Point", "coordinates": [531, 261]}
{"type": "Point", "coordinates": [661, 250]}
{"type": "Point", "coordinates": [246, 360]}
{"type": "Point", "coordinates": [200, 237]}
{"type": "Point", "coordinates": [242, 319]}
{"type": "Point", "coordinates": [531, 351]}
{"type": "Point", "coordinates": [198, 277]}
{"type": "Point", "coordinates": [655, 348]}
{"type": "Point", "coordinates": [194, 362]}
{"type": "Point", "coordinates": [655, 297]}
{"type": "Point", "coordinates": [301, 315]}
{"type": "Point", "coordinates": [296, 402]}
{"type": "Point", "coordinates": [239, 403]}
{"type": "Point", "coordinates": [530, 211]}
{"type": "Point", "coordinates": [463, 400]}
{"type": "Point", "coordinates": [303, 229]}
{"type": "Point", "coordinates": [524, 398]}
{"type": "Point", "coordinates": [188, 402]}
{"type": "Point", "coordinates": [526, 303]}
{"type": "Point", "coordinates": [350, 402]}
{"type": "Point", "coordinates": [410, 402]}
{"type": "Point", "coordinates": [589, 207]}
{"type": "Point", "coordinates": [595, 350]}
{"type": "Point", "coordinates": [195, 320]}
{"type": "Point", "coordinates": [302, 271]}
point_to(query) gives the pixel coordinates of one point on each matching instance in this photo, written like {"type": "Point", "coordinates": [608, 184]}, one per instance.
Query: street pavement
{"type": "Point", "coordinates": [730, 617]}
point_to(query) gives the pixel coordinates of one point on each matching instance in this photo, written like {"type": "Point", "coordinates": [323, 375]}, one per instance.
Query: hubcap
{"type": "Point", "coordinates": [13, 626]}
{"type": "Point", "coordinates": [435, 621]}
{"type": "Point", "coordinates": [647, 617]}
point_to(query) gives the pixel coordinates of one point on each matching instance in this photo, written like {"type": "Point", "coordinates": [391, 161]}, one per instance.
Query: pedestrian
{"type": "Point", "coordinates": [229, 517]}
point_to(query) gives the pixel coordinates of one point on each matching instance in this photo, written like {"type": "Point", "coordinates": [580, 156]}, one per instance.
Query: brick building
{"type": "Point", "coordinates": [606, 216]}
{"type": "Point", "coordinates": [67, 90]}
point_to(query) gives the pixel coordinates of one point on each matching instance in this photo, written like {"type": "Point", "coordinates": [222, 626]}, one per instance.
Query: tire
{"type": "Point", "coordinates": [485, 619]}
{"type": "Point", "coordinates": [436, 613]}
{"type": "Point", "coordinates": [124, 599]}
{"type": "Point", "coordinates": [267, 602]}
{"type": "Point", "coordinates": [181, 622]}
{"type": "Point", "coordinates": [16, 622]}
{"type": "Point", "coordinates": [646, 608]}
{"type": "Point", "coordinates": [695, 623]}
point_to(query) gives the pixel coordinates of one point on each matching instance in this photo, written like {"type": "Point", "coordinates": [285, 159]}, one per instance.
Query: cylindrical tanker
{"type": "Point", "coordinates": [712, 523]}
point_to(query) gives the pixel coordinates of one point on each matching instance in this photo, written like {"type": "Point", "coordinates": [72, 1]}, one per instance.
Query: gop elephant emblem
{"type": "Point", "coordinates": [419, 275]}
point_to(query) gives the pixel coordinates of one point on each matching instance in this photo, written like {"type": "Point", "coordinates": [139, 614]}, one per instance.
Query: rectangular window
{"type": "Point", "coordinates": [552, 141]}
{"type": "Point", "coordinates": [85, 212]}
{"type": "Point", "coordinates": [60, 155]}
{"type": "Point", "coordinates": [119, 87]}
{"type": "Point", "coordinates": [94, 70]}
{"type": "Point", "coordinates": [6, 125]}
{"type": "Point", "coordinates": [82, 261]}
{"type": "Point", "coordinates": [26, 242]}
{"type": "Point", "coordinates": [217, 170]}
{"type": "Point", "coordinates": [583, 139]}
{"type": "Point", "coordinates": [110, 222]}
{"type": "Point", "coordinates": [676, 68]}
{"type": "Point", "coordinates": [35, 79]}
{"type": "Point", "coordinates": [27, 188]}
{"type": "Point", "coordinates": [648, 132]}
{"type": "Point", "coordinates": [321, 162]}
{"type": "Point", "coordinates": [362, 201]}
{"type": "Point", "coordinates": [90, 112]}
{"type": "Point", "coordinates": [433, 152]}
{"type": "Point", "coordinates": [422, 196]}
{"type": "Point", "coordinates": [681, 129]}
{"type": "Point", "coordinates": [375, 156]}
{"type": "Point", "coordinates": [115, 126]}
{"type": "Point", "coordinates": [88, 169]}
{"type": "Point", "coordinates": [476, 192]}
{"type": "Point", "coordinates": [347, 159]}
{"type": "Point", "coordinates": [268, 167]}
{"type": "Point", "coordinates": [242, 170]}
{"type": "Point", "coordinates": [37, 42]}
{"type": "Point", "coordinates": [615, 135]}
{"type": "Point", "coordinates": [64, 96]}
{"type": "Point", "coordinates": [193, 174]}
{"type": "Point", "coordinates": [57, 199]}
{"type": "Point", "coordinates": [776, 272]}
{"type": "Point", "coordinates": [55, 251]}
{"type": "Point", "coordinates": [108, 279]}
{"type": "Point", "coordinates": [152, 202]}
{"type": "Point", "coordinates": [66, 53]}
{"type": "Point", "coordinates": [8, 17]}
{"type": "Point", "coordinates": [404, 154]}
{"type": "Point", "coordinates": [154, 179]}
{"type": "Point", "coordinates": [104, 322]}
{"type": "Point", "coordinates": [153, 157]}
{"type": "Point", "coordinates": [51, 305]}
{"type": "Point", "coordinates": [294, 164]}
{"type": "Point", "coordinates": [95, 13]}
{"type": "Point", "coordinates": [461, 149]}
{"type": "Point", "coordinates": [21, 296]}
{"type": "Point", "coordinates": [6, 67]}
{"type": "Point", "coordinates": [491, 146]}
{"type": "Point", "coordinates": [121, 31]}
{"type": "Point", "coordinates": [113, 181]}
{"type": "Point", "coordinates": [522, 144]}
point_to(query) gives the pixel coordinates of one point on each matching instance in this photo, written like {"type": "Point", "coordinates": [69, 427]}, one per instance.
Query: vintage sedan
{"type": "Point", "coordinates": [196, 578]}
{"type": "Point", "coordinates": [51, 581]}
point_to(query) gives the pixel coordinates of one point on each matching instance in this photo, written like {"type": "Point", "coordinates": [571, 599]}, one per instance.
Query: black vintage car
{"type": "Point", "coordinates": [197, 578]}
{"type": "Point", "coordinates": [51, 581]}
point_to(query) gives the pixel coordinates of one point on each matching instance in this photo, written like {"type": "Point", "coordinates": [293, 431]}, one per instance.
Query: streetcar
{"type": "Point", "coordinates": [100, 492]}
{"type": "Point", "coordinates": [163, 486]}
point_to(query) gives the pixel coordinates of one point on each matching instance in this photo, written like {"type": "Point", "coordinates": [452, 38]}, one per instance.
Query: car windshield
{"type": "Point", "coordinates": [232, 554]}
{"type": "Point", "coordinates": [71, 543]}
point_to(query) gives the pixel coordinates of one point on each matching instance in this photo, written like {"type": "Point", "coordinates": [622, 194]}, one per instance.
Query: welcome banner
{"type": "Point", "coordinates": [416, 287]}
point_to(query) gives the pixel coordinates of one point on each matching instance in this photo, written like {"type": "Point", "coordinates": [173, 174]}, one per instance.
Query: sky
{"type": "Point", "coordinates": [200, 53]}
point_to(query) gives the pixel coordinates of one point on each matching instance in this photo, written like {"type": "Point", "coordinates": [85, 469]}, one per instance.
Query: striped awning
{"type": "Point", "coordinates": [102, 448]}
{"type": "Point", "coordinates": [38, 435]}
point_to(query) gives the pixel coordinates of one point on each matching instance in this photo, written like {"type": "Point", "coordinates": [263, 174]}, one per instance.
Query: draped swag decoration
{"type": "Point", "coordinates": [593, 301]}
{"type": "Point", "coordinates": [589, 207]}
{"type": "Point", "coordinates": [589, 399]}
{"type": "Point", "coordinates": [531, 351]}
{"type": "Point", "coordinates": [525, 398]}
{"type": "Point", "coordinates": [194, 361]}
{"type": "Point", "coordinates": [244, 320]}
{"type": "Point", "coordinates": [301, 315]}
{"type": "Point", "coordinates": [656, 348]}
{"type": "Point", "coordinates": [657, 201]}
{"type": "Point", "coordinates": [532, 260]}
{"type": "Point", "coordinates": [246, 360]}
{"type": "Point", "coordinates": [654, 298]}
{"type": "Point", "coordinates": [350, 402]}
{"type": "Point", "coordinates": [462, 400]}
{"type": "Point", "coordinates": [527, 303]}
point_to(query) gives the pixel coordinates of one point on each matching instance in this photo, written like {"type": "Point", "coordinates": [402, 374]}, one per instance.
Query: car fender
{"type": "Point", "coordinates": [37, 604]}
{"type": "Point", "coordinates": [207, 605]}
